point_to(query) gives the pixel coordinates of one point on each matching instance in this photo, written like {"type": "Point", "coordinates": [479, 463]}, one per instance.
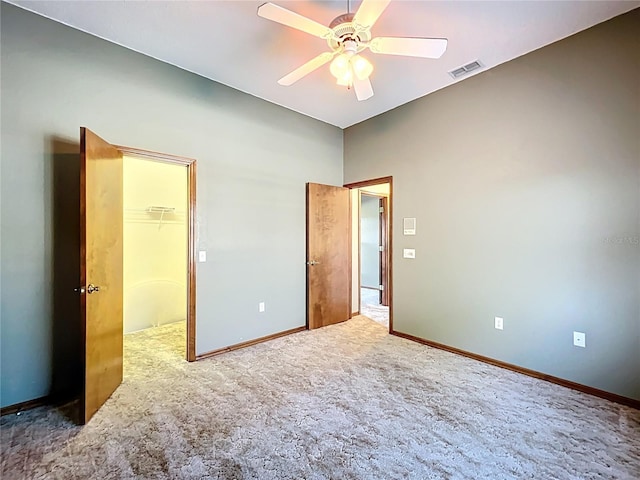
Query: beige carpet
{"type": "Point", "coordinates": [370, 307]}
{"type": "Point", "coordinates": [377, 313]}
{"type": "Point", "coordinates": [342, 402]}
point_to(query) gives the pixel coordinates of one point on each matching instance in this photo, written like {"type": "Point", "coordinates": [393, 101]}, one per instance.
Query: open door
{"type": "Point", "coordinates": [384, 252]}
{"type": "Point", "coordinates": [328, 255]}
{"type": "Point", "coordinates": [100, 270]}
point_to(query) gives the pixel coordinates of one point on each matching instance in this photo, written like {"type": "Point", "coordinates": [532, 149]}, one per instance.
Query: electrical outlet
{"type": "Point", "coordinates": [202, 256]}
{"type": "Point", "coordinates": [499, 323]}
{"type": "Point", "coordinates": [580, 339]}
{"type": "Point", "coordinates": [409, 253]}
{"type": "Point", "coordinates": [261, 307]}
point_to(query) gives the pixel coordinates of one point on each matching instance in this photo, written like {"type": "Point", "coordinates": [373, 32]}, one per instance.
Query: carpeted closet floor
{"type": "Point", "coordinates": [342, 402]}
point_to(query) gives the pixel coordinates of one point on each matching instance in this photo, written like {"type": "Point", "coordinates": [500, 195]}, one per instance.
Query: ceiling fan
{"type": "Point", "coordinates": [347, 36]}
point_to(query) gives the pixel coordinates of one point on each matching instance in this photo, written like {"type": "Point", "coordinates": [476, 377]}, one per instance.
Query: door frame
{"type": "Point", "coordinates": [190, 164]}
{"type": "Point", "coordinates": [369, 183]}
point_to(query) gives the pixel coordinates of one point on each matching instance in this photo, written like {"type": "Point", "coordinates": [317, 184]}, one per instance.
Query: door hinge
{"type": "Point", "coordinates": [381, 248]}
{"type": "Point", "coordinates": [381, 209]}
{"type": "Point", "coordinates": [381, 288]}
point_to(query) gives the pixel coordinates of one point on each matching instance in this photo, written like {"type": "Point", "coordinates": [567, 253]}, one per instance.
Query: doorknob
{"type": "Point", "coordinates": [313, 262]}
{"type": "Point", "coordinates": [92, 288]}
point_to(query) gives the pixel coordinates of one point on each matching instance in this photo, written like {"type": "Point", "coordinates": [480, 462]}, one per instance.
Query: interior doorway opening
{"type": "Point", "coordinates": [371, 250]}
{"type": "Point", "coordinates": [187, 173]}
{"type": "Point", "coordinates": [155, 260]}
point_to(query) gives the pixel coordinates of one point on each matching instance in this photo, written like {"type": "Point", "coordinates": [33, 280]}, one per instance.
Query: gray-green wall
{"type": "Point", "coordinates": [525, 182]}
{"type": "Point", "coordinates": [253, 161]}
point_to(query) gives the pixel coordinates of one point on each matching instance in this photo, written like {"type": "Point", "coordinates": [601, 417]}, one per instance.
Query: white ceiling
{"type": "Point", "coordinates": [227, 42]}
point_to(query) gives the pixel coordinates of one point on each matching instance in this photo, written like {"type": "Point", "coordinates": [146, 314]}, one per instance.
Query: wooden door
{"type": "Point", "coordinates": [100, 270]}
{"type": "Point", "coordinates": [328, 255]}
{"type": "Point", "coordinates": [384, 252]}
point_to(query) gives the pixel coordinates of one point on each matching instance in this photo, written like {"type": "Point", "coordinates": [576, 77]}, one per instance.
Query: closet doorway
{"type": "Point", "coordinates": [156, 258]}
{"type": "Point", "coordinates": [100, 288]}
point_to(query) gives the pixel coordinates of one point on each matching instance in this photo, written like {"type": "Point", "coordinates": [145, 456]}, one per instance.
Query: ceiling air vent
{"type": "Point", "coordinates": [465, 69]}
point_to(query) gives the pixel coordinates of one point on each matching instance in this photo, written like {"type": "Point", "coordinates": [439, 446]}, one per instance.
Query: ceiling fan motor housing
{"type": "Point", "coordinates": [346, 33]}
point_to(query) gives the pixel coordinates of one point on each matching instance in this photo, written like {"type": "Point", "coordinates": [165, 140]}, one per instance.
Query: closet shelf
{"type": "Point", "coordinates": [155, 214]}
{"type": "Point", "coordinates": [162, 210]}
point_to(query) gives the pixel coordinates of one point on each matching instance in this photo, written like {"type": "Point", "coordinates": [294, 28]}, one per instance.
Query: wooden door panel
{"type": "Point", "coordinates": [101, 266]}
{"type": "Point", "coordinates": [328, 255]}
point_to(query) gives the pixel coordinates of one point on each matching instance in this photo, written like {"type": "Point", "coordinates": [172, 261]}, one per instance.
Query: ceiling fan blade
{"type": "Point", "coordinates": [291, 19]}
{"type": "Point", "coordinates": [363, 88]}
{"type": "Point", "coordinates": [368, 13]}
{"type": "Point", "coordinates": [306, 69]}
{"type": "Point", "coordinates": [411, 47]}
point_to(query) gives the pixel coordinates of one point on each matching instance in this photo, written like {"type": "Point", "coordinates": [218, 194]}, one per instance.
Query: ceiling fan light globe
{"type": "Point", "coordinates": [346, 79]}
{"type": "Point", "coordinates": [361, 67]}
{"type": "Point", "coordinates": [339, 66]}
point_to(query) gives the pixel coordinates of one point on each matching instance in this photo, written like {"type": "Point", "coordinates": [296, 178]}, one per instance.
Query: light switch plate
{"type": "Point", "coordinates": [261, 307]}
{"type": "Point", "coordinates": [580, 339]}
{"type": "Point", "coordinates": [409, 253]}
{"type": "Point", "coordinates": [499, 323]}
{"type": "Point", "coordinates": [202, 256]}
